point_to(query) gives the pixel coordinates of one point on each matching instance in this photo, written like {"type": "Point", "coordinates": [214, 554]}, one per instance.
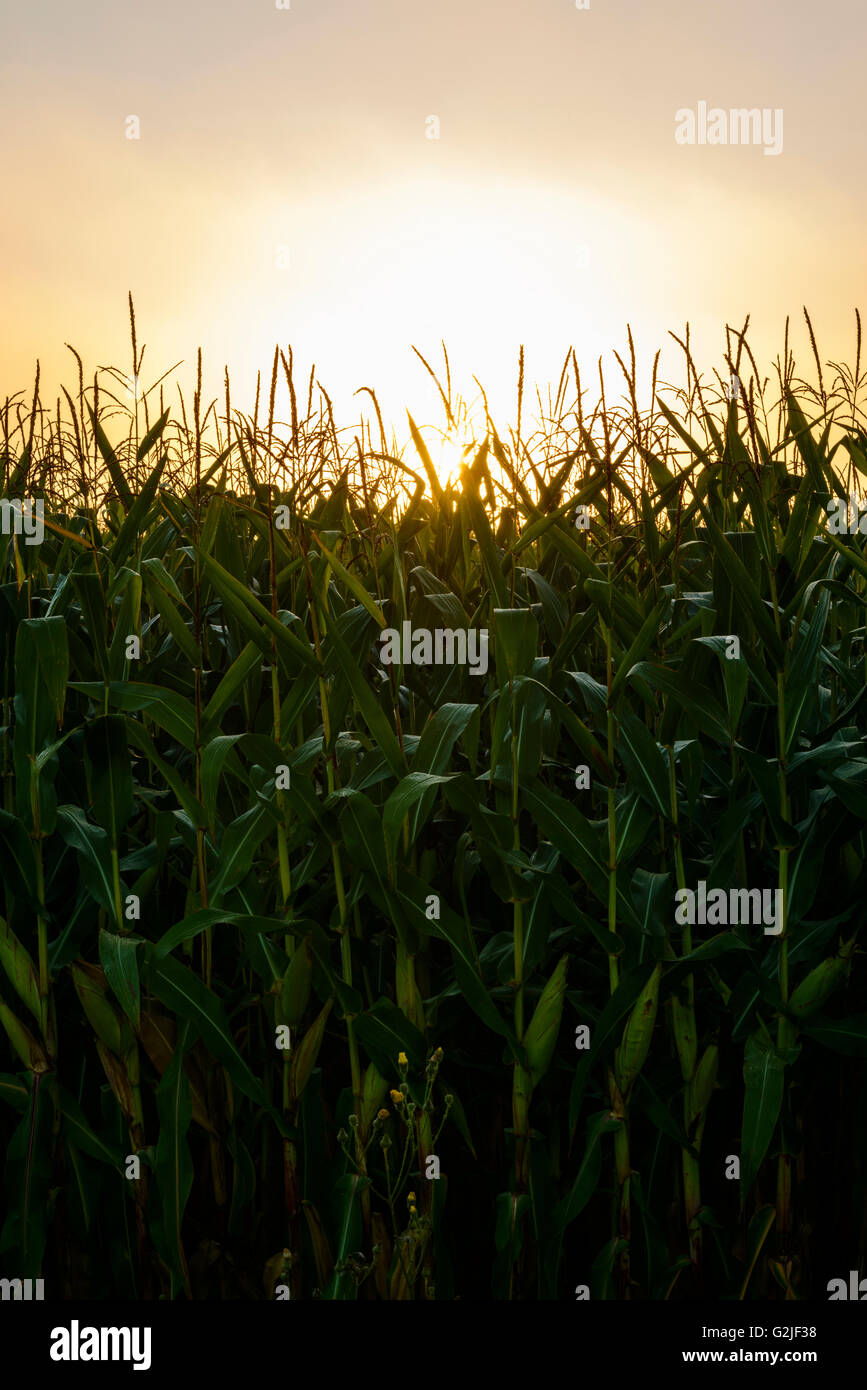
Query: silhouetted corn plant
{"type": "Point", "coordinates": [325, 975]}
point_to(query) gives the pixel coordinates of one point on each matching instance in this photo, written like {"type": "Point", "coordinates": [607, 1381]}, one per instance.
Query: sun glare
{"type": "Point", "coordinates": [452, 451]}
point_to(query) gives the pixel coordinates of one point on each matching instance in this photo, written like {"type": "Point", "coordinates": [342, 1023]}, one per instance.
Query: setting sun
{"type": "Point", "coordinates": [450, 454]}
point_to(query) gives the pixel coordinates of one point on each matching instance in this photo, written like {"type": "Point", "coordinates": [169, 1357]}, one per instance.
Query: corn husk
{"type": "Point", "coordinates": [305, 1055]}
{"type": "Point", "coordinates": [819, 985]}
{"type": "Point", "coordinates": [294, 994]}
{"type": "Point", "coordinates": [541, 1036]}
{"type": "Point", "coordinates": [21, 970]}
{"type": "Point", "coordinates": [110, 1028]}
{"type": "Point", "coordinates": [30, 1050]}
{"type": "Point", "coordinates": [703, 1082]}
{"type": "Point", "coordinates": [635, 1043]}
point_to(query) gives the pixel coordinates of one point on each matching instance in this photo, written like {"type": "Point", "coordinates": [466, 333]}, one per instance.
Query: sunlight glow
{"type": "Point", "coordinates": [454, 449]}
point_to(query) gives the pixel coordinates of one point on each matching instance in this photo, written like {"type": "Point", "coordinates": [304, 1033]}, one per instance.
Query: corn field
{"type": "Point", "coordinates": [330, 977]}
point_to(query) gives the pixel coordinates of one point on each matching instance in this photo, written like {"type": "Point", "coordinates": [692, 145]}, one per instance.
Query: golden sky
{"type": "Point", "coordinates": [283, 187]}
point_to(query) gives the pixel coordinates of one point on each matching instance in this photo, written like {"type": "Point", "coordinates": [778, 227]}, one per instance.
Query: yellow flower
{"type": "Point", "coordinates": [402, 1060]}
{"type": "Point", "coordinates": [411, 1198]}
{"type": "Point", "coordinates": [382, 1114]}
{"type": "Point", "coordinates": [396, 1097]}
{"type": "Point", "coordinates": [439, 1052]}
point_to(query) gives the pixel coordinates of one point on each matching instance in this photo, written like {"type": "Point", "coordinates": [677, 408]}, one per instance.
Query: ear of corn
{"type": "Point", "coordinates": [22, 974]}
{"type": "Point", "coordinates": [295, 986]}
{"type": "Point", "coordinates": [305, 1055]}
{"type": "Point", "coordinates": [635, 1043]}
{"type": "Point", "coordinates": [817, 987]}
{"type": "Point", "coordinates": [26, 1046]}
{"type": "Point", "coordinates": [110, 1028]}
{"type": "Point", "coordinates": [703, 1082]}
{"type": "Point", "coordinates": [541, 1035]}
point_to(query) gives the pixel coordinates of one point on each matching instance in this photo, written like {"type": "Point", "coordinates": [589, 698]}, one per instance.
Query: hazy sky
{"type": "Point", "coordinates": [284, 187]}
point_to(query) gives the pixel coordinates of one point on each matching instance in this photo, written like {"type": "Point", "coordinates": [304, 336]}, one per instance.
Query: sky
{"type": "Point", "coordinates": [353, 177]}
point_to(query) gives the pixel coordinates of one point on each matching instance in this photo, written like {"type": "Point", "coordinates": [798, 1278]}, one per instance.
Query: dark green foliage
{"type": "Point", "coordinates": [285, 922]}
